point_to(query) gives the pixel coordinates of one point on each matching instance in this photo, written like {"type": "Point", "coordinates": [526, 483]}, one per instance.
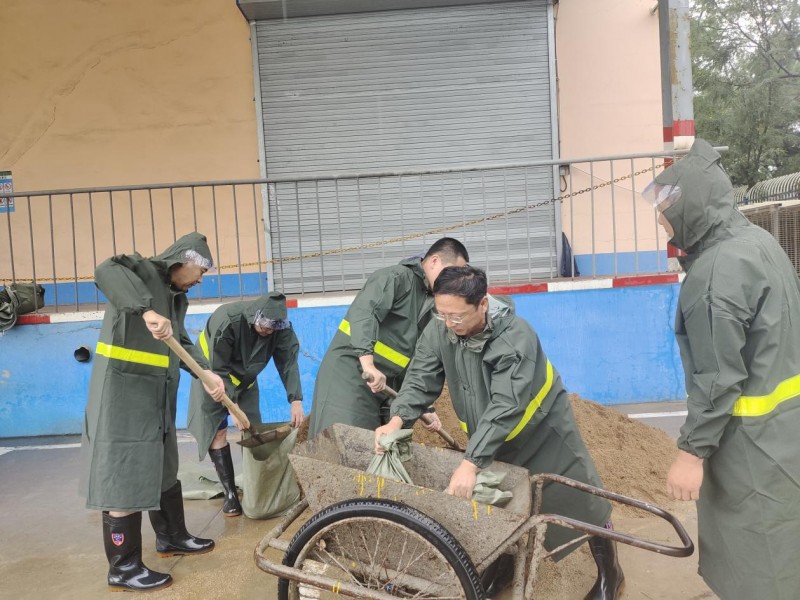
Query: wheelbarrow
{"type": "Point", "coordinates": [377, 539]}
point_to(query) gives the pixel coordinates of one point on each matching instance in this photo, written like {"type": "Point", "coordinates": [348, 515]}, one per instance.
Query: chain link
{"type": "Point", "coordinates": [401, 238]}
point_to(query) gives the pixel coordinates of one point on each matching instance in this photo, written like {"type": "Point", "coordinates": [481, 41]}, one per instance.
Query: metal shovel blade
{"type": "Point", "coordinates": [257, 439]}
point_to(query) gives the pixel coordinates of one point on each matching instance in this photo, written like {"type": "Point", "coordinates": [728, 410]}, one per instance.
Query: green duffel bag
{"type": "Point", "coordinates": [8, 314]}
{"type": "Point", "coordinates": [29, 297]}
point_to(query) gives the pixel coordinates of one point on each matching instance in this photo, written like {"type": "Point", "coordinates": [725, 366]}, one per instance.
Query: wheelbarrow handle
{"type": "Point", "coordinates": [426, 418]}
{"type": "Point", "coordinates": [190, 362]}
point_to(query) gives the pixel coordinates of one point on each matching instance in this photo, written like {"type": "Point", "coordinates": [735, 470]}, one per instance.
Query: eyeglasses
{"type": "Point", "coordinates": [454, 319]}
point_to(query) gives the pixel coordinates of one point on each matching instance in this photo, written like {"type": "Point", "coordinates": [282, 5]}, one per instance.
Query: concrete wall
{"type": "Point", "coordinates": [609, 102]}
{"type": "Point", "coordinates": [600, 356]}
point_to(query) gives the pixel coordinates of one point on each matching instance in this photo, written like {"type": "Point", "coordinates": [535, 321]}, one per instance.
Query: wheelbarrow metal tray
{"type": "Point", "coordinates": [331, 468]}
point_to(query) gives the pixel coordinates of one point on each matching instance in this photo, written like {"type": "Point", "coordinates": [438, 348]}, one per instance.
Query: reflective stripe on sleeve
{"type": "Point", "coordinates": [135, 356]}
{"type": "Point", "coordinates": [380, 348]}
{"type": "Point", "coordinates": [757, 406]}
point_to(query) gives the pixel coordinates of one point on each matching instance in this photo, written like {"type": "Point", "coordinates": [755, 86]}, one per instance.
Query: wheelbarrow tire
{"type": "Point", "coordinates": [376, 513]}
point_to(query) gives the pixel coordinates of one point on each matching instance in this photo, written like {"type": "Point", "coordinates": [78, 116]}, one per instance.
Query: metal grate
{"type": "Point", "coordinates": [783, 222]}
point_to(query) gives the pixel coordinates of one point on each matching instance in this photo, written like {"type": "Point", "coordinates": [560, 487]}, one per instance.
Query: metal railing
{"type": "Point", "coordinates": [327, 233]}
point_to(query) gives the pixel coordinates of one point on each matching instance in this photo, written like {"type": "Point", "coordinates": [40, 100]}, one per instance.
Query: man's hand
{"type": "Point", "coordinates": [237, 423]}
{"type": "Point", "coordinates": [375, 380]}
{"type": "Point", "coordinates": [431, 422]}
{"type": "Point", "coordinates": [297, 413]}
{"type": "Point", "coordinates": [462, 483]}
{"type": "Point", "coordinates": [159, 326]}
{"type": "Point", "coordinates": [394, 424]}
{"type": "Point", "coordinates": [685, 477]}
{"type": "Point", "coordinates": [215, 387]}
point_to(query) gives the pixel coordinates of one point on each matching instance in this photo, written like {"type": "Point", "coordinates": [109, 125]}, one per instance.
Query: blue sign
{"type": "Point", "coordinates": [6, 187]}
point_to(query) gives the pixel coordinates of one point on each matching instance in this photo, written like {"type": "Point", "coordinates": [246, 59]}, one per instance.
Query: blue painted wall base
{"type": "Point", "coordinates": [611, 346]}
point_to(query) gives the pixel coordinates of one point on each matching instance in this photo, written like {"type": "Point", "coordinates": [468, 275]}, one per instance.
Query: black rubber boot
{"type": "Point", "coordinates": [122, 538]}
{"type": "Point", "coordinates": [499, 575]}
{"type": "Point", "coordinates": [610, 579]}
{"type": "Point", "coordinates": [223, 463]}
{"type": "Point", "coordinates": [171, 536]}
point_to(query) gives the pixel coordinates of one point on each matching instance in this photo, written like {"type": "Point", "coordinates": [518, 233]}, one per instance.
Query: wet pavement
{"type": "Point", "coordinates": [52, 545]}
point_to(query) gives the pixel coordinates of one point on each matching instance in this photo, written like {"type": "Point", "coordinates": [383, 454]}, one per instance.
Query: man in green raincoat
{"type": "Point", "coordinates": [129, 448]}
{"type": "Point", "coordinates": [738, 330]}
{"type": "Point", "coordinates": [510, 401]}
{"type": "Point", "coordinates": [377, 337]}
{"type": "Point", "coordinates": [238, 341]}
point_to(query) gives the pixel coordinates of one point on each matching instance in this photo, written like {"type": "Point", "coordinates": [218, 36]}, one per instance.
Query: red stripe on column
{"type": "Point", "coordinates": [668, 134]}
{"type": "Point", "coordinates": [33, 319]}
{"type": "Point", "coordinates": [683, 128]}
{"type": "Point", "coordinates": [291, 303]}
{"type": "Point", "coordinates": [523, 288]}
{"type": "Point", "coordinates": [645, 280]}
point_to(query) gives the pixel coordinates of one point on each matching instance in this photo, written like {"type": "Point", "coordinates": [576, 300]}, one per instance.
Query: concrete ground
{"type": "Point", "coordinates": [52, 546]}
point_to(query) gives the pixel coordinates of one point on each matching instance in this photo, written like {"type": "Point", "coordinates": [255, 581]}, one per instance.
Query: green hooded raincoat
{"type": "Point", "coordinates": [129, 449]}
{"type": "Point", "coordinates": [738, 329]}
{"type": "Point", "coordinates": [510, 401]}
{"type": "Point", "coordinates": [238, 354]}
{"type": "Point", "coordinates": [385, 319]}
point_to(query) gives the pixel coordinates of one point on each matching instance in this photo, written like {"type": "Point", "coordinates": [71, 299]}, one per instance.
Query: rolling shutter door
{"type": "Point", "coordinates": [399, 90]}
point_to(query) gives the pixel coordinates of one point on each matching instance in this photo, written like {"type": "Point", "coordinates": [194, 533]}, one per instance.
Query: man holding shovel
{"type": "Point", "coordinates": [377, 337]}
{"type": "Point", "coordinates": [238, 341]}
{"type": "Point", "coordinates": [129, 448]}
{"type": "Point", "coordinates": [511, 403]}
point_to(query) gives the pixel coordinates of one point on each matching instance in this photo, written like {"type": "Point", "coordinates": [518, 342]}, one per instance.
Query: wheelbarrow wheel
{"type": "Point", "coordinates": [386, 547]}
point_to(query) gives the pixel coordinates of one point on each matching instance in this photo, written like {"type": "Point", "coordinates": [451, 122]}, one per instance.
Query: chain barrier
{"type": "Point", "coordinates": [402, 238]}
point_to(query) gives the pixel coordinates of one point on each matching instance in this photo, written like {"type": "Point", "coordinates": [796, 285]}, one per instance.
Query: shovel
{"type": "Point", "coordinates": [425, 417]}
{"type": "Point", "coordinates": [257, 438]}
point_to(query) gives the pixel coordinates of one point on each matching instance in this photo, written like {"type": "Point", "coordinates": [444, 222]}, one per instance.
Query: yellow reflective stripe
{"type": "Point", "coordinates": [380, 348]}
{"type": "Point", "coordinates": [134, 356]}
{"type": "Point", "coordinates": [756, 406]}
{"type": "Point", "coordinates": [204, 343]}
{"type": "Point", "coordinates": [204, 348]}
{"type": "Point", "coordinates": [531, 408]}
{"type": "Point", "coordinates": [533, 404]}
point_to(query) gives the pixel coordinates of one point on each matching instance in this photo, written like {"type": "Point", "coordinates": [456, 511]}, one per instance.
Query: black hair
{"type": "Point", "coordinates": [467, 282]}
{"type": "Point", "coordinates": [449, 250]}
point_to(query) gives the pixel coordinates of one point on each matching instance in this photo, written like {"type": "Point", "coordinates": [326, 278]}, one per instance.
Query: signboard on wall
{"type": "Point", "coordinates": [6, 187]}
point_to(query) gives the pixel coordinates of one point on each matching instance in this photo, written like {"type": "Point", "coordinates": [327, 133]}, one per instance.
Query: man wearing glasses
{"type": "Point", "coordinates": [510, 401]}
{"type": "Point", "coordinates": [377, 337]}
{"type": "Point", "coordinates": [238, 341]}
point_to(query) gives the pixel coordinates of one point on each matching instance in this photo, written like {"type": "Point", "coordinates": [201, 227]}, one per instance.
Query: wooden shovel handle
{"type": "Point", "coordinates": [203, 376]}
{"type": "Point", "coordinates": [426, 418]}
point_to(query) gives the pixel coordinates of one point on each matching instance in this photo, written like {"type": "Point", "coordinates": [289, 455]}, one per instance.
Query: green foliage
{"type": "Point", "coordinates": [746, 71]}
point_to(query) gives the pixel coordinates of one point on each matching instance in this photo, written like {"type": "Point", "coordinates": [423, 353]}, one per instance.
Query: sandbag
{"type": "Point", "coordinates": [269, 485]}
{"type": "Point", "coordinates": [397, 450]}
{"type": "Point", "coordinates": [487, 490]}
{"type": "Point", "coordinates": [29, 297]}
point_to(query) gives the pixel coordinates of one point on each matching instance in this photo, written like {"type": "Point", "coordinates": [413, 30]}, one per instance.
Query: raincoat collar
{"type": "Point", "coordinates": [496, 322]}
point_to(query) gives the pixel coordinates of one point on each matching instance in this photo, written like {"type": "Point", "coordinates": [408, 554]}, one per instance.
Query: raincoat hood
{"type": "Point", "coordinates": [272, 306]}
{"type": "Point", "coordinates": [176, 253]}
{"type": "Point", "coordinates": [706, 201]}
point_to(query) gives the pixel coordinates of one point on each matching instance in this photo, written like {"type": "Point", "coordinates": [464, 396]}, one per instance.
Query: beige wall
{"type": "Point", "coordinates": [609, 102]}
{"type": "Point", "coordinates": [102, 92]}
